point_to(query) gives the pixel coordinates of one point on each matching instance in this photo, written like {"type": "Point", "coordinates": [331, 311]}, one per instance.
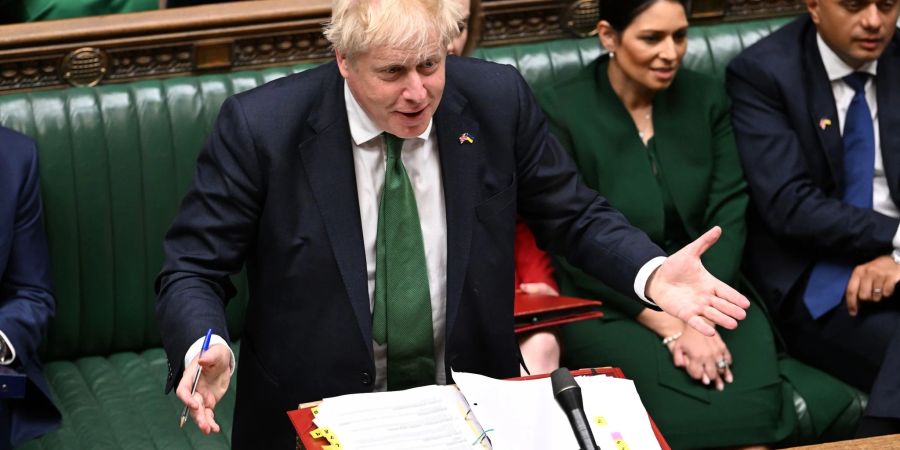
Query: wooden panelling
{"type": "Point", "coordinates": [153, 44]}
{"type": "Point", "coordinates": [239, 35]}
{"type": "Point", "coordinates": [747, 9]}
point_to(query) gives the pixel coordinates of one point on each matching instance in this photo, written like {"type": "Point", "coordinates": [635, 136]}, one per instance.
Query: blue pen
{"type": "Point", "coordinates": [184, 412]}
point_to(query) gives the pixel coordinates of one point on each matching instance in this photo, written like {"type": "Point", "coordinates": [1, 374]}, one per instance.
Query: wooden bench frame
{"type": "Point", "coordinates": [243, 35]}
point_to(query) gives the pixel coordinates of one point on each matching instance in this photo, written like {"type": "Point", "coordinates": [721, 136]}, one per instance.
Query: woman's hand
{"type": "Point", "coordinates": [704, 358]}
{"type": "Point", "coordinates": [538, 289]}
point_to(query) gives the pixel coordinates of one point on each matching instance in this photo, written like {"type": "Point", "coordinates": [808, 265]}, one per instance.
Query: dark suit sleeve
{"type": "Point", "coordinates": [568, 218]}
{"type": "Point", "coordinates": [26, 301]}
{"type": "Point", "coordinates": [727, 201]}
{"type": "Point", "coordinates": [209, 238]}
{"type": "Point", "coordinates": [791, 205]}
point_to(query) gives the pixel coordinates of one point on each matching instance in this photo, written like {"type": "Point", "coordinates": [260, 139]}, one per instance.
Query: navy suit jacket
{"type": "Point", "coordinates": [275, 189]}
{"type": "Point", "coordinates": [26, 299]}
{"type": "Point", "coordinates": [793, 159]}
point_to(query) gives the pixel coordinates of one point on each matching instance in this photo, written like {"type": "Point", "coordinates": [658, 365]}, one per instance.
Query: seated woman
{"type": "Point", "coordinates": [656, 141]}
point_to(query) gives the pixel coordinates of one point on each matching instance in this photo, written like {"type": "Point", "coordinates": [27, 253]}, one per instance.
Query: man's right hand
{"type": "Point", "coordinates": [682, 287]}
{"type": "Point", "coordinates": [214, 379]}
{"type": "Point", "coordinates": [872, 282]}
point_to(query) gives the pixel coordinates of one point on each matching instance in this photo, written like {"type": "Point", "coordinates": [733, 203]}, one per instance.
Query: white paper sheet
{"type": "Point", "coordinates": [521, 415]}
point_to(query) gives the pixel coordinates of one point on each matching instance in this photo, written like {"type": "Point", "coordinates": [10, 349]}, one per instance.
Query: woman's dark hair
{"type": "Point", "coordinates": [620, 13]}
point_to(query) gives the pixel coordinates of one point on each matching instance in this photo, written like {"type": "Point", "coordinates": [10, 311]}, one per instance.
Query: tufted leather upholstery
{"type": "Point", "coordinates": [115, 161]}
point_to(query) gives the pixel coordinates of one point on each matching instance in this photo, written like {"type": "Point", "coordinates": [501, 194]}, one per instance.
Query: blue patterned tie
{"type": "Point", "coordinates": [829, 278]}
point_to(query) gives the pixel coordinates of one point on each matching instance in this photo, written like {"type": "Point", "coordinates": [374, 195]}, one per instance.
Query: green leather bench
{"type": "Point", "coordinates": [115, 162]}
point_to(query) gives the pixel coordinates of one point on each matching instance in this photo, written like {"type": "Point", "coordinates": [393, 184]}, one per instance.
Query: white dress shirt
{"type": "Point", "coordinates": [422, 163]}
{"type": "Point", "coordinates": [837, 69]}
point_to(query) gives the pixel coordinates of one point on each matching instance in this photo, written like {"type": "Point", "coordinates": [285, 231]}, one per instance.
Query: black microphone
{"type": "Point", "coordinates": [568, 395]}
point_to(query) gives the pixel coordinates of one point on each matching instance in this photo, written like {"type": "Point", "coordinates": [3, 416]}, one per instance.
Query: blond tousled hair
{"type": "Point", "coordinates": [407, 25]}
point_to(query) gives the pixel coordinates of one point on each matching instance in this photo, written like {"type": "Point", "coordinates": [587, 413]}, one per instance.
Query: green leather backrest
{"type": "Point", "coordinates": [115, 162]}
{"type": "Point", "coordinates": [117, 159]}
{"type": "Point", "coordinates": [710, 48]}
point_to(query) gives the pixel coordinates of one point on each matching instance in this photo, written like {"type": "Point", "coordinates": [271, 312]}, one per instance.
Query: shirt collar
{"type": "Point", "coordinates": [835, 67]}
{"type": "Point", "coordinates": [362, 128]}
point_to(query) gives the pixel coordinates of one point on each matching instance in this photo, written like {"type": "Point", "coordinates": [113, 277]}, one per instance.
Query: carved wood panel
{"type": "Point", "coordinates": [745, 9]}
{"type": "Point", "coordinates": [240, 35]}
{"type": "Point", "coordinates": [281, 49]}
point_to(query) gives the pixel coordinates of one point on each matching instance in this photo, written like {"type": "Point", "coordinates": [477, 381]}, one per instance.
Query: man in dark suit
{"type": "Point", "coordinates": [26, 301]}
{"type": "Point", "coordinates": [393, 157]}
{"type": "Point", "coordinates": [816, 121]}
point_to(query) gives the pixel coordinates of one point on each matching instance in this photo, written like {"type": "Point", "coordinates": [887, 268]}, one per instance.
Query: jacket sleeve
{"type": "Point", "coordinates": [26, 299]}
{"type": "Point", "coordinates": [209, 238]}
{"type": "Point", "coordinates": [568, 218]}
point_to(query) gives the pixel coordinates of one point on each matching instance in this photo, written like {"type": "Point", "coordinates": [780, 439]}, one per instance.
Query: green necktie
{"type": "Point", "coordinates": [402, 313]}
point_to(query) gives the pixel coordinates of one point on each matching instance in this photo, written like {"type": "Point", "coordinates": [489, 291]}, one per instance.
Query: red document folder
{"type": "Point", "coordinates": [534, 312]}
{"type": "Point", "coordinates": [302, 417]}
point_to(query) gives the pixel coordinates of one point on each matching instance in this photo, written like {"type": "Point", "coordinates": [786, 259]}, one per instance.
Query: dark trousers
{"type": "Point", "coordinates": [863, 351]}
{"type": "Point", "coordinates": [4, 426]}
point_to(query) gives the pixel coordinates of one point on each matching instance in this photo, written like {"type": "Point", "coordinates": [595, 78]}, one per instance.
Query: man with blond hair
{"type": "Point", "coordinates": [373, 201]}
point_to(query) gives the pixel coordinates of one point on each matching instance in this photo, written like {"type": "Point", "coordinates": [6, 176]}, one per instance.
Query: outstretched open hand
{"type": "Point", "coordinates": [682, 287]}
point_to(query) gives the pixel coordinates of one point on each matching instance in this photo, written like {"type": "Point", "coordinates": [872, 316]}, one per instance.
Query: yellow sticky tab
{"type": "Point", "coordinates": [600, 420]}
{"type": "Point", "coordinates": [619, 441]}
{"type": "Point", "coordinates": [315, 410]}
{"type": "Point", "coordinates": [331, 437]}
{"type": "Point", "coordinates": [317, 433]}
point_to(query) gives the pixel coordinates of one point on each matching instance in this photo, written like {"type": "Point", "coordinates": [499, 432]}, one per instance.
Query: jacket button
{"type": "Point", "coordinates": [365, 378]}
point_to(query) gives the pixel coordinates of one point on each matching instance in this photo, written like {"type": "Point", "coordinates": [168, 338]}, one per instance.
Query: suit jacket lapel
{"type": "Point", "coordinates": [822, 109]}
{"type": "Point", "coordinates": [888, 95]}
{"type": "Point", "coordinates": [328, 160]}
{"type": "Point", "coordinates": [459, 164]}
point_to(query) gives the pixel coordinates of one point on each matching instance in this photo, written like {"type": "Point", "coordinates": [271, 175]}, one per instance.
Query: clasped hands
{"type": "Point", "coordinates": [704, 358]}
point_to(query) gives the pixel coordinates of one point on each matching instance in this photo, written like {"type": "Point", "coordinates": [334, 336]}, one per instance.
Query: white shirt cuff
{"type": "Point", "coordinates": [897, 239]}
{"type": "Point", "coordinates": [643, 275]}
{"type": "Point", "coordinates": [195, 348]}
{"type": "Point", "coordinates": [11, 356]}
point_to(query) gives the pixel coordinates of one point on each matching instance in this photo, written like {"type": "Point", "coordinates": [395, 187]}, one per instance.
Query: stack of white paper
{"type": "Point", "coordinates": [513, 415]}
{"type": "Point", "coordinates": [430, 417]}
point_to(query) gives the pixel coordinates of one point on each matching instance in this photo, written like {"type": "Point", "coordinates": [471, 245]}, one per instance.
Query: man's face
{"type": "Point", "coordinates": [397, 90]}
{"type": "Point", "coordinates": [857, 30]}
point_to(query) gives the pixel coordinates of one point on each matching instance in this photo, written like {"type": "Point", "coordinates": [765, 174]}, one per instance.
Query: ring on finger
{"type": "Point", "coordinates": [721, 364]}
{"type": "Point", "coordinates": [876, 290]}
